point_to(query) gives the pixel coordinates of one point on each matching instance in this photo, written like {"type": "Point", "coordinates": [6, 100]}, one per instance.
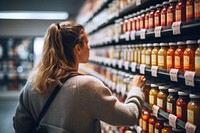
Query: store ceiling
{"type": "Point", "coordinates": [35, 27]}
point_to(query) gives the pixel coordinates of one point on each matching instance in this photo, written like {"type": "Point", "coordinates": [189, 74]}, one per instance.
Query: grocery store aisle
{"type": "Point", "coordinates": [7, 110]}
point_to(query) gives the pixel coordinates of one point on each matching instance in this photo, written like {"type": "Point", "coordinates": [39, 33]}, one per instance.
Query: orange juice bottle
{"type": "Point", "coordinates": [162, 55]}
{"type": "Point", "coordinates": [171, 55]}
{"type": "Point", "coordinates": [154, 54]}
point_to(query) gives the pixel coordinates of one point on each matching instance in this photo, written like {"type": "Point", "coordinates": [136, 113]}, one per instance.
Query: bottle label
{"type": "Point", "coordinates": [153, 60]}
{"type": "Point", "coordinates": [169, 18]}
{"type": "Point", "coordinates": [150, 128]}
{"type": "Point", "coordinates": [143, 59]}
{"type": "Point", "coordinates": [178, 15]}
{"type": "Point", "coordinates": [156, 131]}
{"type": "Point", "coordinates": [157, 21]}
{"type": "Point", "coordinates": [186, 61]}
{"type": "Point", "coordinates": [197, 63]}
{"type": "Point", "coordinates": [135, 56]}
{"type": "Point", "coordinates": [151, 100]}
{"type": "Point", "coordinates": [160, 102]}
{"type": "Point", "coordinates": [197, 10]}
{"type": "Point", "coordinates": [190, 116]}
{"type": "Point", "coordinates": [146, 23]}
{"type": "Point", "coordinates": [161, 60]}
{"type": "Point", "coordinates": [140, 122]}
{"type": "Point", "coordinates": [189, 12]}
{"type": "Point", "coordinates": [144, 125]}
{"type": "Point", "coordinates": [148, 60]}
{"type": "Point", "coordinates": [177, 62]}
{"type": "Point", "coordinates": [163, 20]}
{"type": "Point", "coordinates": [179, 111]}
{"type": "Point", "coordinates": [169, 61]}
{"type": "Point", "coordinates": [150, 22]}
{"type": "Point", "coordinates": [169, 107]}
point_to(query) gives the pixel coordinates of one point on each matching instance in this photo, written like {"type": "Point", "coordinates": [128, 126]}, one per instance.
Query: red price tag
{"type": "Point", "coordinates": [172, 120]}
{"type": "Point", "coordinates": [176, 28]}
{"type": "Point", "coordinates": [189, 78]}
{"type": "Point", "coordinates": [190, 128]}
{"type": "Point", "coordinates": [155, 110]}
{"type": "Point", "coordinates": [142, 68]}
{"type": "Point", "coordinates": [173, 74]}
{"type": "Point", "coordinates": [154, 71]}
{"type": "Point", "coordinates": [133, 66]}
{"type": "Point", "coordinates": [126, 65]}
{"type": "Point", "coordinates": [132, 35]}
{"type": "Point", "coordinates": [157, 31]}
{"type": "Point", "coordinates": [142, 33]}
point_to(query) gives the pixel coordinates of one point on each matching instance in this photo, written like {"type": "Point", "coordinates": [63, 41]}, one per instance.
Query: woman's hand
{"type": "Point", "coordinates": [138, 81]}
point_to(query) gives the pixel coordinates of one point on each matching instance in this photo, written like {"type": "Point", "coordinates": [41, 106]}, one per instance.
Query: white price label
{"type": "Point", "coordinates": [114, 62]}
{"type": "Point", "coordinates": [138, 129]}
{"type": "Point", "coordinates": [172, 120]}
{"type": "Point", "coordinates": [138, 2]}
{"type": "Point", "coordinates": [176, 27]}
{"type": "Point", "coordinates": [190, 128]}
{"type": "Point", "coordinates": [123, 90]}
{"type": "Point", "coordinates": [120, 63]}
{"type": "Point", "coordinates": [189, 78]}
{"type": "Point", "coordinates": [133, 66]}
{"type": "Point", "coordinates": [113, 86]}
{"type": "Point", "coordinates": [116, 38]}
{"type": "Point", "coordinates": [126, 65]}
{"type": "Point", "coordinates": [132, 35]}
{"type": "Point", "coordinates": [158, 31]}
{"type": "Point", "coordinates": [142, 33]}
{"type": "Point", "coordinates": [142, 68]}
{"type": "Point", "coordinates": [127, 36]}
{"type": "Point", "coordinates": [173, 74]}
{"type": "Point", "coordinates": [155, 110]}
{"type": "Point", "coordinates": [154, 71]}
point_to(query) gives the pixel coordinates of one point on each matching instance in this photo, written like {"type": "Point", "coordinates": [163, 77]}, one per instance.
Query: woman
{"type": "Point", "coordinates": [83, 100]}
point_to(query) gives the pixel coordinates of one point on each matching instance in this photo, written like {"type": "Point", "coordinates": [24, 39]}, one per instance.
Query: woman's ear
{"type": "Point", "coordinates": [77, 49]}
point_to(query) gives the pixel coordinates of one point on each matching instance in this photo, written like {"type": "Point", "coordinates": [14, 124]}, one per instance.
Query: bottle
{"type": "Point", "coordinates": [142, 19]}
{"type": "Point", "coordinates": [181, 11]}
{"type": "Point", "coordinates": [179, 55]}
{"type": "Point", "coordinates": [125, 24]}
{"type": "Point", "coordinates": [151, 17]}
{"type": "Point", "coordinates": [154, 54]}
{"type": "Point", "coordinates": [181, 105]}
{"type": "Point", "coordinates": [143, 61]}
{"type": "Point", "coordinates": [189, 10]}
{"type": "Point", "coordinates": [145, 118]}
{"type": "Point", "coordinates": [153, 94]}
{"type": "Point", "coordinates": [138, 21]}
{"type": "Point", "coordinates": [139, 53]}
{"type": "Point", "coordinates": [134, 19]}
{"type": "Point", "coordinates": [167, 128]}
{"type": "Point", "coordinates": [148, 54]}
{"type": "Point", "coordinates": [171, 101]}
{"type": "Point", "coordinates": [152, 122]}
{"type": "Point", "coordinates": [189, 55]}
{"type": "Point", "coordinates": [197, 59]}
{"type": "Point", "coordinates": [159, 124]}
{"type": "Point", "coordinates": [129, 24]}
{"type": "Point", "coordinates": [162, 56]}
{"type": "Point", "coordinates": [171, 12]}
{"type": "Point", "coordinates": [171, 55]}
{"type": "Point", "coordinates": [147, 18]}
{"type": "Point", "coordinates": [197, 9]}
{"type": "Point", "coordinates": [162, 97]}
{"type": "Point", "coordinates": [157, 15]}
{"type": "Point", "coordinates": [164, 13]}
{"type": "Point", "coordinates": [193, 109]}
{"type": "Point", "coordinates": [136, 54]}
{"type": "Point", "coordinates": [146, 90]}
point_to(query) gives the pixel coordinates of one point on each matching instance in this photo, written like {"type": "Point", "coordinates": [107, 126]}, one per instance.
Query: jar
{"type": "Point", "coordinates": [134, 19]}
{"type": "Point", "coordinates": [145, 118]}
{"type": "Point", "coordinates": [139, 53]}
{"type": "Point", "coordinates": [189, 55]}
{"type": "Point", "coordinates": [197, 9]}
{"type": "Point", "coordinates": [171, 101]}
{"type": "Point", "coordinates": [171, 12]}
{"type": "Point", "coordinates": [157, 15]}
{"type": "Point", "coordinates": [162, 97]}
{"type": "Point", "coordinates": [154, 54]}
{"type": "Point", "coordinates": [152, 122]}
{"type": "Point", "coordinates": [167, 128]}
{"type": "Point", "coordinates": [164, 13]}
{"type": "Point", "coordinates": [129, 24]}
{"type": "Point", "coordinates": [151, 17]}
{"type": "Point", "coordinates": [147, 18]}
{"type": "Point", "coordinates": [145, 90]}
{"type": "Point", "coordinates": [138, 21]}
{"type": "Point", "coordinates": [181, 105]}
{"type": "Point", "coordinates": [159, 124]}
{"type": "Point", "coordinates": [143, 54]}
{"type": "Point", "coordinates": [171, 55]}
{"type": "Point", "coordinates": [181, 11]}
{"type": "Point", "coordinates": [197, 59]}
{"type": "Point", "coordinates": [153, 94]}
{"type": "Point", "coordinates": [178, 130]}
{"type": "Point", "coordinates": [193, 109]}
{"type": "Point", "coordinates": [142, 19]}
{"type": "Point", "coordinates": [135, 54]}
{"type": "Point", "coordinates": [189, 10]}
{"type": "Point", "coordinates": [148, 54]}
{"type": "Point", "coordinates": [162, 56]}
{"type": "Point", "coordinates": [179, 56]}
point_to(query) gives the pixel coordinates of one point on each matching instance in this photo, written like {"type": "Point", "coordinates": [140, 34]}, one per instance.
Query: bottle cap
{"type": "Point", "coordinates": [194, 96]}
{"type": "Point", "coordinates": [162, 88]}
{"type": "Point", "coordinates": [149, 45]}
{"type": "Point", "coordinates": [165, 3]}
{"type": "Point", "coordinates": [156, 44]}
{"type": "Point", "coordinates": [181, 43]}
{"type": "Point", "coordinates": [182, 93]}
{"type": "Point", "coordinates": [154, 85]}
{"type": "Point", "coordinates": [164, 44]}
{"type": "Point", "coordinates": [188, 42]}
{"type": "Point", "coordinates": [172, 44]}
{"type": "Point", "coordinates": [173, 90]}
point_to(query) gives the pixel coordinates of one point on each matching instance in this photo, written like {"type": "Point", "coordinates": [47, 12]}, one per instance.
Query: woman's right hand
{"type": "Point", "coordinates": [138, 81]}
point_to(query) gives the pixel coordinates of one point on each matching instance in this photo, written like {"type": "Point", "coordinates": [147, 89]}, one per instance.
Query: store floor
{"type": "Point", "coordinates": [7, 110]}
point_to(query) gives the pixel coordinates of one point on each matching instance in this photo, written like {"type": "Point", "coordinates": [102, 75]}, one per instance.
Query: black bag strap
{"type": "Point", "coordinates": [52, 96]}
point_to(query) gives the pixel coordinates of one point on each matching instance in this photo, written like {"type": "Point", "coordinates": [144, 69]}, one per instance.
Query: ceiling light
{"type": "Point", "coordinates": [42, 15]}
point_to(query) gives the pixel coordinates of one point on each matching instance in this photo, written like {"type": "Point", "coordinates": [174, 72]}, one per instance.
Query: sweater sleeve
{"type": "Point", "coordinates": [106, 107]}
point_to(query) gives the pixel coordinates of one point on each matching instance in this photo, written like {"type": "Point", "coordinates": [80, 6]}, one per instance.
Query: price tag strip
{"type": "Point", "coordinates": [173, 74]}
{"type": "Point", "coordinates": [133, 66]}
{"type": "Point", "coordinates": [154, 71]}
{"type": "Point", "coordinates": [142, 68]}
{"type": "Point", "coordinates": [172, 120]}
{"type": "Point", "coordinates": [189, 78]}
{"type": "Point", "coordinates": [155, 110]}
{"type": "Point", "coordinates": [157, 31]}
{"type": "Point", "coordinates": [176, 27]}
{"type": "Point", "coordinates": [190, 128]}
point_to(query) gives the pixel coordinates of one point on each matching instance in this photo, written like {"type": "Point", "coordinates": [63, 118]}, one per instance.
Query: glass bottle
{"type": "Point", "coordinates": [154, 54]}
{"type": "Point", "coordinates": [138, 21]}
{"type": "Point", "coordinates": [159, 124]}
{"type": "Point", "coordinates": [181, 11]}
{"type": "Point", "coordinates": [162, 97]}
{"type": "Point", "coordinates": [171, 12]}
{"type": "Point", "coordinates": [189, 10]}
{"type": "Point", "coordinates": [145, 118]}
{"type": "Point", "coordinates": [147, 18]}
{"type": "Point", "coordinates": [146, 90]}
{"type": "Point", "coordinates": [167, 128]}
{"type": "Point", "coordinates": [129, 24]}
{"type": "Point", "coordinates": [142, 19]}
{"type": "Point", "coordinates": [151, 17]}
{"type": "Point", "coordinates": [132, 52]}
{"type": "Point", "coordinates": [153, 94]}
{"type": "Point", "coordinates": [197, 9]}
{"type": "Point", "coordinates": [197, 59]}
{"type": "Point", "coordinates": [164, 13]}
{"type": "Point", "coordinates": [143, 54]}
{"type": "Point", "coordinates": [179, 55]}
{"type": "Point", "coordinates": [171, 101]}
{"type": "Point", "coordinates": [152, 122]}
{"type": "Point", "coordinates": [148, 54]}
{"type": "Point", "coordinates": [134, 19]}
{"type": "Point", "coordinates": [189, 55]}
{"type": "Point", "coordinates": [136, 54]}
{"type": "Point", "coordinates": [181, 105]}
{"type": "Point", "coordinates": [193, 109]}
{"type": "Point", "coordinates": [157, 15]}
{"type": "Point", "coordinates": [125, 24]}
{"type": "Point", "coordinates": [139, 53]}
{"type": "Point", "coordinates": [171, 55]}
{"type": "Point", "coordinates": [162, 56]}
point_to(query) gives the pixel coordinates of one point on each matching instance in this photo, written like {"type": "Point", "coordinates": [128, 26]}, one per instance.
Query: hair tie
{"type": "Point", "coordinates": [58, 25]}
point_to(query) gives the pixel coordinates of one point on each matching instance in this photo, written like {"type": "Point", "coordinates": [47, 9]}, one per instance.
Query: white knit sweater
{"type": "Point", "coordinates": [81, 101]}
